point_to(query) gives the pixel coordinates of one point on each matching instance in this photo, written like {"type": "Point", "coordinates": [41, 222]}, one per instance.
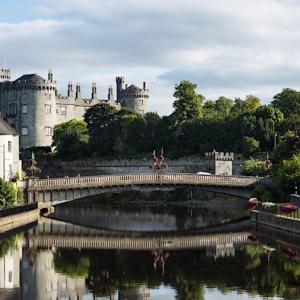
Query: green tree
{"type": "Point", "coordinates": [287, 175]}
{"type": "Point", "coordinates": [288, 146]}
{"type": "Point", "coordinates": [268, 121]}
{"type": "Point", "coordinates": [250, 146]}
{"type": "Point", "coordinates": [224, 106]}
{"type": "Point", "coordinates": [99, 119]}
{"type": "Point", "coordinates": [288, 101]}
{"type": "Point", "coordinates": [187, 104]}
{"type": "Point", "coordinates": [7, 194]}
{"type": "Point", "coordinates": [250, 104]}
{"type": "Point", "coordinates": [70, 139]}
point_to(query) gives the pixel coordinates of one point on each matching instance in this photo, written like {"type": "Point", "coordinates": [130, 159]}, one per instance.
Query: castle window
{"type": "Point", "coordinates": [24, 98]}
{"type": "Point", "coordinates": [63, 110]}
{"type": "Point", "coordinates": [141, 112]}
{"type": "Point", "coordinates": [24, 131]}
{"type": "Point", "coordinates": [24, 109]}
{"type": "Point", "coordinates": [9, 146]}
{"type": "Point", "coordinates": [12, 108]}
{"type": "Point", "coordinates": [47, 108]}
{"type": "Point", "coordinates": [48, 130]}
{"type": "Point", "coordinates": [141, 102]}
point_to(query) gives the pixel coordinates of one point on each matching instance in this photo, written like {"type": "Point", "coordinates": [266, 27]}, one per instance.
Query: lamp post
{"type": "Point", "coordinates": [275, 140]}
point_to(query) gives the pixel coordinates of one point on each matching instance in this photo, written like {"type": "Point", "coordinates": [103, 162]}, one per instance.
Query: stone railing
{"type": "Point", "coordinates": [144, 179]}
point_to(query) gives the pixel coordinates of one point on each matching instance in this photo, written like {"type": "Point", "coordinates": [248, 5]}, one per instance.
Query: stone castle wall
{"type": "Point", "coordinates": [89, 167]}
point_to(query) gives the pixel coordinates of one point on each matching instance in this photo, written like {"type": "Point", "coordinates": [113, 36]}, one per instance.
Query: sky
{"type": "Point", "coordinates": [229, 48]}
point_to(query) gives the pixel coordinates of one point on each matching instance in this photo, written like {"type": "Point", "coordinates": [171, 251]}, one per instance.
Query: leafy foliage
{"type": "Point", "coordinates": [187, 104]}
{"type": "Point", "coordinates": [250, 146]}
{"type": "Point", "coordinates": [253, 167]}
{"type": "Point", "coordinates": [287, 175]}
{"type": "Point", "coordinates": [70, 139]}
{"type": "Point", "coordinates": [7, 194]}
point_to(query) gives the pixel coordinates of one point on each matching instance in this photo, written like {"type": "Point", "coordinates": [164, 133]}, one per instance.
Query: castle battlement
{"type": "Point", "coordinates": [225, 156]}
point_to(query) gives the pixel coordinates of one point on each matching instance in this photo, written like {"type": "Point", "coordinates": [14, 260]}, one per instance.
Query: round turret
{"type": "Point", "coordinates": [136, 99]}
{"type": "Point", "coordinates": [35, 108]}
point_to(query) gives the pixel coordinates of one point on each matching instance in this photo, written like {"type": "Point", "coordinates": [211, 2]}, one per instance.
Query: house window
{"type": "Point", "coordinates": [10, 276]}
{"type": "Point", "coordinates": [48, 130]}
{"type": "Point", "coordinates": [63, 110]}
{"type": "Point", "coordinates": [47, 108]}
{"type": "Point", "coordinates": [24, 109]}
{"type": "Point", "coordinates": [9, 146]}
{"type": "Point", "coordinates": [24, 131]}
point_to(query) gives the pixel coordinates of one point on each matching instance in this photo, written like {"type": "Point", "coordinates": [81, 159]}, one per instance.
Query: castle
{"type": "Point", "coordinates": [33, 106]}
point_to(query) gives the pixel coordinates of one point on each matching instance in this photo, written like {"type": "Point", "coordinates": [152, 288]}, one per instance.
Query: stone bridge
{"type": "Point", "coordinates": [58, 190]}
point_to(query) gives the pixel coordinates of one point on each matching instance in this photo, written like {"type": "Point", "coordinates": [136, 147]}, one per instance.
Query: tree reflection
{"type": "Point", "coordinates": [187, 271]}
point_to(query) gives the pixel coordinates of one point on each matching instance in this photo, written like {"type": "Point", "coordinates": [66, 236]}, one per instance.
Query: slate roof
{"type": "Point", "coordinates": [30, 77]}
{"type": "Point", "coordinates": [6, 129]}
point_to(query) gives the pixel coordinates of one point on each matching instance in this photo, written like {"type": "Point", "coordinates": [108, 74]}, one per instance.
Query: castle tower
{"type": "Point", "coordinates": [120, 87]}
{"type": "Point", "coordinates": [136, 99]}
{"type": "Point", "coordinates": [78, 92]}
{"type": "Point", "coordinates": [110, 95]}
{"type": "Point", "coordinates": [70, 90]}
{"type": "Point", "coordinates": [94, 91]}
{"type": "Point", "coordinates": [4, 75]}
{"type": "Point", "coordinates": [30, 105]}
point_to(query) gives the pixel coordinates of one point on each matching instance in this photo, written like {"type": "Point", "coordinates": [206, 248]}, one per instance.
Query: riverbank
{"type": "Point", "coordinates": [18, 216]}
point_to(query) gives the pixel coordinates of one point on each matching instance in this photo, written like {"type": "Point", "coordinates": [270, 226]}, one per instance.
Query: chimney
{"type": "Point", "coordinates": [78, 93]}
{"type": "Point", "coordinates": [70, 89]}
{"type": "Point", "coordinates": [50, 76]}
{"type": "Point", "coordinates": [144, 86]}
{"type": "Point", "coordinates": [110, 93]}
{"type": "Point", "coordinates": [94, 91]}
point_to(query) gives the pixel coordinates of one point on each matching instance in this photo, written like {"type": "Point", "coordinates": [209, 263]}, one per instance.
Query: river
{"type": "Point", "coordinates": [155, 245]}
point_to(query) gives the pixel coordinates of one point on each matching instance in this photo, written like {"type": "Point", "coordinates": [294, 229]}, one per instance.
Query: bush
{"type": "Point", "coordinates": [254, 167]}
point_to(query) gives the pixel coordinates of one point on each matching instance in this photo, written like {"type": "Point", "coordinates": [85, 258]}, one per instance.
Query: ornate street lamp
{"type": "Point", "coordinates": [33, 168]}
{"type": "Point", "coordinates": [158, 162]}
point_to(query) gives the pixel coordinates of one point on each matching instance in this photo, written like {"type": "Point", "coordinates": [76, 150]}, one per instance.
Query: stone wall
{"type": "Point", "coordinates": [90, 167]}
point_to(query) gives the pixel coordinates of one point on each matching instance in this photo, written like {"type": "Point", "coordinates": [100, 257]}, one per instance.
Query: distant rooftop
{"type": "Point", "coordinates": [30, 77]}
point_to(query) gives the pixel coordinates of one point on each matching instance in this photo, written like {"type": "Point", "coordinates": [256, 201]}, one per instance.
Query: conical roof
{"type": "Point", "coordinates": [31, 77]}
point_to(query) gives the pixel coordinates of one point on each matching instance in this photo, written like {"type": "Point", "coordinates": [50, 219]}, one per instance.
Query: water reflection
{"type": "Point", "coordinates": [58, 259]}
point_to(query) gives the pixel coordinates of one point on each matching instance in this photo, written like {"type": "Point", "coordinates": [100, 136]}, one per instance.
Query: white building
{"type": "Point", "coordinates": [10, 163]}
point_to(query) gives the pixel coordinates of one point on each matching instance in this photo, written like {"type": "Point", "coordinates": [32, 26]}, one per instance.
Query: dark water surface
{"type": "Point", "coordinates": [133, 245]}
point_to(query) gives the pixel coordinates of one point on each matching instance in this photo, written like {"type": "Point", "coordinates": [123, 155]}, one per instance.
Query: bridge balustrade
{"type": "Point", "coordinates": [142, 179]}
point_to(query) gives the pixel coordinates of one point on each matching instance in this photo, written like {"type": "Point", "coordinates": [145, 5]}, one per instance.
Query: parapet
{"type": "Point", "coordinates": [4, 75]}
{"type": "Point", "coordinates": [226, 156]}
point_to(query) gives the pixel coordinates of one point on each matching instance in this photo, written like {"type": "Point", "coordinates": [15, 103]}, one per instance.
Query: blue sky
{"type": "Point", "coordinates": [228, 47]}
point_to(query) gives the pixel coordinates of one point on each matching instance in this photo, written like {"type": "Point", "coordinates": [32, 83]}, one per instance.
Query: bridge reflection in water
{"type": "Point", "coordinates": [53, 233]}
